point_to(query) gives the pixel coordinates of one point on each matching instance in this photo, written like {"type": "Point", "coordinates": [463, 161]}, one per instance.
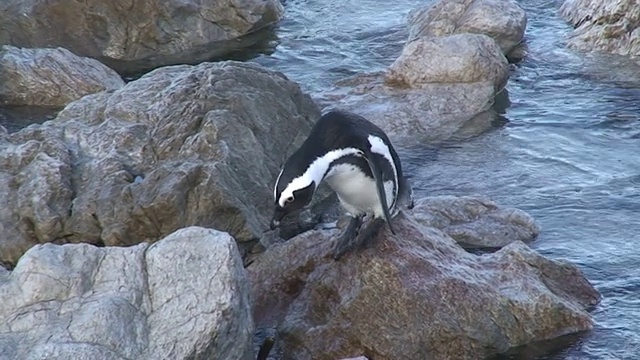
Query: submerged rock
{"type": "Point", "coordinates": [416, 295]}
{"type": "Point", "coordinates": [502, 20]}
{"type": "Point", "coordinates": [183, 145]}
{"type": "Point", "coordinates": [184, 297]}
{"type": "Point", "coordinates": [50, 77]}
{"type": "Point", "coordinates": [604, 25]}
{"type": "Point", "coordinates": [132, 38]}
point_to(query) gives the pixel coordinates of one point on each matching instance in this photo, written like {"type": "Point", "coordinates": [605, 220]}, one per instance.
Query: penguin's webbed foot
{"type": "Point", "coordinates": [359, 239]}
{"type": "Point", "coordinates": [345, 241]}
{"type": "Point", "coordinates": [368, 232]}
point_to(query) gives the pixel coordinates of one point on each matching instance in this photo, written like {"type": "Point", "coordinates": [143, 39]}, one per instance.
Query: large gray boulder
{"type": "Point", "coordinates": [604, 25]}
{"type": "Point", "coordinates": [503, 20]}
{"type": "Point", "coordinates": [183, 145]}
{"type": "Point", "coordinates": [131, 37]}
{"type": "Point", "coordinates": [184, 297]}
{"type": "Point", "coordinates": [50, 77]}
{"type": "Point", "coordinates": [415, 295]}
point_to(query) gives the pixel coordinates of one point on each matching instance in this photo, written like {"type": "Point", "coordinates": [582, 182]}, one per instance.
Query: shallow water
{"type": "Point", "coordinates": [569, 154]}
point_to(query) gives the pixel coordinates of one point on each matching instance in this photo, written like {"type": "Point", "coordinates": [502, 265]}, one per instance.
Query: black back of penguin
{"type": "Point", "coordinates": [338, 130]}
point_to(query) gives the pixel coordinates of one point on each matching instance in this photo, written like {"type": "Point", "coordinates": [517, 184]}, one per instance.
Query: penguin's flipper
{"type": "Point", "coordinates": [376, 170]}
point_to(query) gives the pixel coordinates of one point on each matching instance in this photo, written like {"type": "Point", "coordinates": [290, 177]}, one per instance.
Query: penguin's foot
{"type": "Point", "coordinates": [345, 242]}
{"type": "Point", "coordinates": [368, 232]}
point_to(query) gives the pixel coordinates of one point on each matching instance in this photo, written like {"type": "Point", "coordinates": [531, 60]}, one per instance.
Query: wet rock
{"type": "Point", "coordinates": [183, 145]}
{"type": "Point", "coordinates": [50, 77]}
{"type": "Point", "coordinates": [463, 58]}
{"type": "Point", "coordinates": [503, 20]}
{"type": "Point", "coordinates": [184, 297]}
{"type": "Point", "coordinates": [135, 38]}
{"type": "Point", "coordinates": [416, 295]}
{"type": "Point", "coordinates": [475, 222]}
{"type": "Point", "coordinates": [605, 26]}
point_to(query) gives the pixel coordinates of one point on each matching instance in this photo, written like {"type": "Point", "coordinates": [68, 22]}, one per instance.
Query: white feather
{"type": "Point", "coordinates": [314, 172]}
{"type": "Point", "coordinates": [357, 192]}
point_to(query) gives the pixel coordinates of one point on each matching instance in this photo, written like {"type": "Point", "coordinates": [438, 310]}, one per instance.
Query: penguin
{"type": "Point", "coordinates": [358, 161]}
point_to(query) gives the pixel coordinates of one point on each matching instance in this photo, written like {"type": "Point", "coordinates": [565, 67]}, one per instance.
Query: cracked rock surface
{"type": "Point", "coordinates": [183, 145]}
{"type": "Point", "coordinates": [184, 297]}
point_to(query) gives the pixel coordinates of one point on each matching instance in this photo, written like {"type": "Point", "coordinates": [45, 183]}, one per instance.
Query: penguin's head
{"type": "Point", "coordinates": [291, 193]}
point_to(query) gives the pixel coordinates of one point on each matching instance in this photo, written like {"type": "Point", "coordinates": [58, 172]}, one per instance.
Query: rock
{"type": "Point", "coordinates": [50, 77]}
{"type": "Point", "coordinates": [184, 297]}
{"type": "Point", "coordinates": [463, 58]}
{"type": "Point", "coordinates": [434, 113]}
{"type": "Point", "coordinates": [416, 295]}
{"type": "Point", "coordinates": [131, 38]}
{"type": "Point", "coordinates": [438, 89]}
{"type": "Point", "coordinates": [503, 20]}
{"type": "Point", "coordinates": [605, 26]}
{"type": "Point", "coordinates": [181, 146]}
{"type": "Point", "coordinates": [475, 222]}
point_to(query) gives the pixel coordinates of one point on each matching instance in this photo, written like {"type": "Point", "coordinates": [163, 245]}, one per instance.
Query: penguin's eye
{"type": "Point", "coordinates": [289, 199]}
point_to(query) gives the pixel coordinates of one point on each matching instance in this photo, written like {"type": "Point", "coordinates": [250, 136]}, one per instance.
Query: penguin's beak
{"type": "Point", "coordinates": [278, 214]}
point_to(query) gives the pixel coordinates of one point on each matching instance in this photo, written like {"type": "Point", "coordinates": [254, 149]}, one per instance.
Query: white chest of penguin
{"type": "Point", "coordinates": [356, 191]}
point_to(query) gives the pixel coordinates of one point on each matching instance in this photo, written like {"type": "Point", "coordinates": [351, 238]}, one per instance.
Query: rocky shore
{"type": "Point", "coordinates": [134, 223]}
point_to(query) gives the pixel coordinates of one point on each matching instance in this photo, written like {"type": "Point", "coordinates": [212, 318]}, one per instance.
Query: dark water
{"type": "Point", "coordinates": [569, 155]}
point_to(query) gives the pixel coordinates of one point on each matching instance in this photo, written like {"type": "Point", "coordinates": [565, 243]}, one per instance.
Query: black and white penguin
{"type": "Point", "coordinates": [357, 160]}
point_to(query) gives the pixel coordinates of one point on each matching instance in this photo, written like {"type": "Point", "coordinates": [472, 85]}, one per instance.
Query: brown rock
{"type": "Point", "coordinates": [141, 35]}
{"type": "Point", "coordinates": [416, 295]}
{"type": "Point", "coordinates": [50, 77]}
